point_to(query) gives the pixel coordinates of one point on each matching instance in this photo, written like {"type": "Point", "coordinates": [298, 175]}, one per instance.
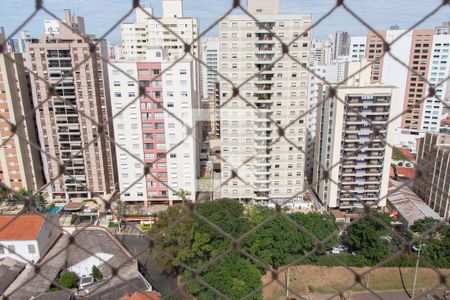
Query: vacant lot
{"type": "Point", "coordinates": [329, 280]}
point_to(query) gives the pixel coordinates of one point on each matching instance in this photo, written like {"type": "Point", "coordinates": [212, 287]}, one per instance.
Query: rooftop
{"type": "Point", "coordinates": [407, 153]}
{"type": "Point", "coordinates": [72, 206]}
{"type": "Point", "coordinates": [20, 227]}
{"type": "Point", "coordinates": [408, 204]}
{"type": "Point", "coordinates": [141, 296]}
{"type": "Point", "coordinates": [66, 256]}
{"type": "Point", "coordinates": [9, 270]}
{"type": "Point", "coordinates": [445, 122]}
{"type": "Point", "coordinates": [406, 173]}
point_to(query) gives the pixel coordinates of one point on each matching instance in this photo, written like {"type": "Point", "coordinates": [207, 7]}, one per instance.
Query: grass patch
{"type": "Point", "coordinates": [329, 280]}
{"type": "Point", "coordinates": [113, 224]}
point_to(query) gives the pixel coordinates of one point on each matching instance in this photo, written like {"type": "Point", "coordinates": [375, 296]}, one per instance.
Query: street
{"type": "Point", "coordinates": [165, 284]}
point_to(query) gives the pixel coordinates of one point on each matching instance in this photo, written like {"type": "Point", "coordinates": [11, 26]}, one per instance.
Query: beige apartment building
{"type": "Point", "coordinates": [147, 33]}
{"type": "Point", "coordinates": [268, 167]}
{"type": "Point", "coordinates": [79, 160]}
{"type": "Point", "coordinates": [433, 162]}
{"type": "Point", "coordinates": [426, 52]}
{"type": "Point", "coordinates": [352, 141]}
{"type": "Point", "coordinates": [20, 162]}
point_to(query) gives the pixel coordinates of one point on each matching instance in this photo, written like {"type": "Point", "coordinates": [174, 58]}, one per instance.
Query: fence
{"type": "Point", "coordinates": [191, 208]}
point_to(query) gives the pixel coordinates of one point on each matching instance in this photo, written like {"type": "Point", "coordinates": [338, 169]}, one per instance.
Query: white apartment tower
{"type": "Point", "coordinates": [210, 56]}
{"type": "Point", "coordinates": [154, 132]}
{"type": "Point", "coordinates": [267, 167]}
{"type": "Point", "coordinates": [357, 48]}
{"type": "Point", "coordinates": [354, 159]}
{"type": "Point", "coordinates": [323, 73]}
{"type": "Point", "coordinates": [147, 33]}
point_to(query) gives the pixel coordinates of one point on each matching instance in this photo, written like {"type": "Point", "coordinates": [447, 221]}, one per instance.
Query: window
{"type": "Point", "coordinates": [11, 249]}
{"type": "Point", "coordinates": [31, 249]}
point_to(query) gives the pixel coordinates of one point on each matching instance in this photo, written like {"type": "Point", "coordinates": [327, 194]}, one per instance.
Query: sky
{"type": "Point", "coordinates": [101, 15]}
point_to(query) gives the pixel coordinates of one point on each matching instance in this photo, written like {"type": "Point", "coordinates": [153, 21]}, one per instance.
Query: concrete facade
{"type": "Point", "coordinates": [20, 162]}
{"type": "Point", "coordinates": [354, 160]}
{"type": "Point", "coordinates": [64, 132]}
{"type": "Point", "coordinates": [278, 92]}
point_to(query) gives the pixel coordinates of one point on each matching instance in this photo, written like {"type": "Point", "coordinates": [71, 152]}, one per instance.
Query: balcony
{"type": "Point", "coordinates": [265, 26]}
{"type": "Point", "coordinates": [264, 47]}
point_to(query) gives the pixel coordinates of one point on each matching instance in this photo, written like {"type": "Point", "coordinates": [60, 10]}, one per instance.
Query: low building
{"type": "Point", "coordinates": [445, 126]}
{"type": "Point", "coordinates": [28, 237]}
{"type": "Point", "coordinates": [407, 205]}
{"type": "Point", "coordinates": [9, 270]}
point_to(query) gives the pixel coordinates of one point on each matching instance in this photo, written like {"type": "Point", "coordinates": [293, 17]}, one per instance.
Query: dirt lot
{"type": "Point", "coordinates": [306, 280]}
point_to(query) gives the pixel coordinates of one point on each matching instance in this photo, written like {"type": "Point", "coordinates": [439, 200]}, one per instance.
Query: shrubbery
{"type": "Point", "coordinates": [68, 279]}
{"type": "Point", "coordinates": [274, 240]}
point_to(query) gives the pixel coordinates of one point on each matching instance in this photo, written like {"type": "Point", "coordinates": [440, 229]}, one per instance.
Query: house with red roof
{"type": "Point", "coordinates": [28, 237]}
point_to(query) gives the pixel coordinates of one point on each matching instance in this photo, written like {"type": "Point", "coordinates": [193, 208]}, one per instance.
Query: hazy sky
{"type": "Point", "coordinates": [100, 15]}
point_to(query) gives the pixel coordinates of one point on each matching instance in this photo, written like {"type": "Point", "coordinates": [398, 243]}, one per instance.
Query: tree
{"type": "Point", "coordinates": [183, 194]}
{"type": "Point", "coordinates": [68, 279]}
{"type": "Point", "coordinates": [435, 237]}
{"type": "Point", "coordinates": [279, 242]}
{"type": "Point", "coordinates": [233, 276]}
{"type": "Point", "coordinates": [192, 241]}
{"type": "Point", "coordinates": [176, 241]}
{"type": "Point", "coordinates": [96, 273]}
{"type": "Point", "coordinates": [424, 224]}
{"type": "Point", "coordinates": [365, 235]}
{"type": "Point", "coordinates": [33, 202]}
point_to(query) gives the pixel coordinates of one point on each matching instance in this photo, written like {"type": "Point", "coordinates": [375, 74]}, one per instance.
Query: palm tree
{"type": "Point", "coordinates": [34, 202]}
{"type": "Point", "coordinates": [183, 194]}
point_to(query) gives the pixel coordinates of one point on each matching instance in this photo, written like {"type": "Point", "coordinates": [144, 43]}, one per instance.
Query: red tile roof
{"type": "Point", "coordinates": [141, 296]}
{"type": "Point", "coordinates": [406, 173]}
{"type": "Point", "coordinates": [20, 228]}
{"type": "Point", "coordinates": [337, 213]}
{"type": "Point", "coordinates": [407, 153]}
{"type": "Point", "coordinates": [445, 122]}
{"type": "Point", "coordinates": [392, 172]}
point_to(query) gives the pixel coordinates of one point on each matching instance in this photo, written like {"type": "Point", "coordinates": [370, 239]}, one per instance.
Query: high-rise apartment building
{"type": "Point", "coordinates": [161, 138]}
{"type": "Point", "coordinates": [20, 45]}
{"type": "Point", "coordinates": [426, 51]}
{"type": "Point", "coordinates": [341, 44]}
{"type": "Point", "coordinates": [210, 56]}
{"type": "Point", "coordinates": [20, 162]}
{"type": "Point", "coordinates": [79, 160]}
{"type": "Point", "coordinates": [147, 34]}
{"type": "Point", "coordinates": [321, 51]}
{"type": "Point", "coordinates": [433, 162]}
{"type": "Point", "coordinates": [267, 167]}
{"type": "Point", "coordinates": [325, 73]}
{"type": "Point", "coordinates": [352, 152]}
{"type": "Point", "coordinates": [357, 48]}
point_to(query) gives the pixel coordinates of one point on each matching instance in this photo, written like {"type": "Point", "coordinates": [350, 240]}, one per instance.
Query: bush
{"type": "Point", "coordinates": [68, 279]}
{"type": "Point", "coordinates": [113, 224]}
{"type": "Point", "coordinates": [330, 261]}
{"type": "Point", "coordinates": [96, 273]}
{"type": "Point", "coordinates": [73, 219]}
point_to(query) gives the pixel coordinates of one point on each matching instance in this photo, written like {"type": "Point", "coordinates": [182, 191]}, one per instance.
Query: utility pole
{"type": "Point", "coordinates": [287, 282]}
{"type": "Point", "coordinates": [415, 272]}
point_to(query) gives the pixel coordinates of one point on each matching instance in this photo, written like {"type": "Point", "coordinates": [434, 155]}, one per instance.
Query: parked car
{"type": "Point", "coordinates": [339, 249]}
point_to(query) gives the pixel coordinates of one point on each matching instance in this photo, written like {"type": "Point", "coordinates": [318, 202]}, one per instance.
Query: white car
{"type": "Point", "coordinates": [338, 249]}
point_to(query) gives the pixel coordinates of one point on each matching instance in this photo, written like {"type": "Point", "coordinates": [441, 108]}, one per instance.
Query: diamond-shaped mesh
{"type": "Point", "coordinates": [189, 211]}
